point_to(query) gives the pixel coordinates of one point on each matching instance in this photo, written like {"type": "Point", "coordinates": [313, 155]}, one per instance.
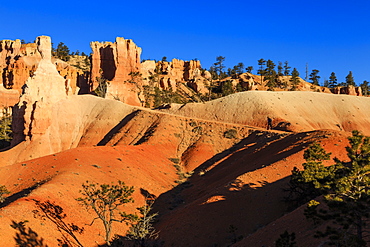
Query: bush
{"type": "Point", "coordinates": [231, 133]}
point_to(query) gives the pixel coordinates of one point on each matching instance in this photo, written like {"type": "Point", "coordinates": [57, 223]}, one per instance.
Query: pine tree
{"type": "Point", "coordinates": [332, 80]}
{"type": "Point", "coordinates": [261, 71]}
{"type": "Point", "coordinates": [294, 79]}
{"type": "Point", "coordinates": [286, 68]}
{"type": "Point", "coordinates": [239, 68]}
{"type": "Point", "coordinates": [219, 67]}
{"type": "Point", "coordinates": [249, 69]}
{"type": "Point", "coordinates": [350, 81]}
{"type": "Point", "coordinates": [365, 88]}
{"type": "Point", "coordinates": [345, 187]}
{"type": "Point", "coordinates": [314, 77]}
{"type": "Point", "coordinates": [270, 75]}
{"type": "Point", "coordinates": [62, 52]}
{"type": "Point", "coordinates": [280, 69]}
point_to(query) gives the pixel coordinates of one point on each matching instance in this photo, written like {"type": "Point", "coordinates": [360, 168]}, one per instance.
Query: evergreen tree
{"type": "Point", "coordinates": [286, 68]}
{"type": "Point", "coordinates": [350, 81]}
{"type": "Point", "coordinates": [280, 69]}
{"type": "Point", "coordinates": [219, 67]}
{"type": "Point", "coordinates": [239, 68]}
{"type": "Point", "coordinates": [261, 71]}
{"type": "Point", "coordinates": [105, 200]}
{"type": "Point", "coordinates": [249, 69]}
{"type": "Point", "coordinates": [345, 186]}
{"type": "Point", "coordinates": [365, 88]}
{"type": "Point", "coordinates": [62, 52]}
{"type": "Point", "coordinates": [294, 79]}
{"type": "Point", "coordinates": [270, 75]}
{"type": "Point", "coordinates": [332, 80]}
{"type": "Point", "coordinates": [227, 88]}
{"type": "Point", "coordinates": [314, 77]}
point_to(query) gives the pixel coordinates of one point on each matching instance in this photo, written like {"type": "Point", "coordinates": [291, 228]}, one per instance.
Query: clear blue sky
{"type": "Point", "coordinates": [331, 36]}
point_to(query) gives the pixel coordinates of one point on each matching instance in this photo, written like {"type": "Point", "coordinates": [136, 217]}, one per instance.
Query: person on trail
{"type": "Point", "coordinates": [269, 123]}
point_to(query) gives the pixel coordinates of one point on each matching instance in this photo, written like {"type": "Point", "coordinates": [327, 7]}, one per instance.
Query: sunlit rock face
{"type": "Point", "coordinates": [117, 63]}
{"type": "Point", "coordinates": [32, 115]}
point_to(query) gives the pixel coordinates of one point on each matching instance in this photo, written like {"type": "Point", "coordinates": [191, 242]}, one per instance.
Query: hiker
{"type": "Point", "coordinates": [269, 123]}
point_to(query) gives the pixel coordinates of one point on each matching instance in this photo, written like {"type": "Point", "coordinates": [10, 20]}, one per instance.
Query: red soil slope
{"type": "Point", "coordinates": [237, 179]}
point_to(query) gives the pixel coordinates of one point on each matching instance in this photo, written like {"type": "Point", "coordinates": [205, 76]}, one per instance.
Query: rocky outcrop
{"type": "Point", "coordinates": [32, 115]}
{"type": "Point", "coordinates": [119, 63]}
{"type": "Point", "coordinates": [19, 61]}
{"type": "Point", "coordinates": [350, 90]}
{"type": "Point", "coordinates": [170, 74]}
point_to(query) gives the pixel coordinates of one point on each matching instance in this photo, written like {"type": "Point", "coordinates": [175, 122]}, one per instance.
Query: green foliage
{"type": "Point", "coordinates": [249, 69]}
{"type": "Point", "coordinates": [270, 75]}
{"type": "Point", "coordinates": [217, 70]}
{"type": "Point", "coordinates": [62, 52]}
{"type": "Point", "coordinates": [333, 82]}
{"type": "Point", "coordinates": [314, 77]}
{"type": "Point", "coordinates": [345, 187]}
{"type": "Point", "coordinates": [286, 68]}
{"type": "Point", "coordinates": [304, 185]}
{"type": "Point", "coordinates": [280, 69]}
{"type": "Point", "coordinates": [231, 133]}
{"type": "Point", "coordinates": [159, 97]}
{"type": "Point", "coordinates": [143, 230]}
{"type": "Point", "coordinates": [5, 129]}
{"type": "Point", "coordinates": [3, 191]}
{"type": "Point", "coordinates": [105, 200]}
{"type": "Point", "coordinates": [294, 79]}
{"type": "Point", "coordinates": [365, 88]}
{"type": "Point", "coordinates": [286, 240]}
{"type": "Point", "coordinates": [101, 89]}
{"type": "Point", "coordinates": [350, 81]}
{"type": "Point", "coordinates": [227, 88]}
{"type": "Point", "coordinates": [261, 63]}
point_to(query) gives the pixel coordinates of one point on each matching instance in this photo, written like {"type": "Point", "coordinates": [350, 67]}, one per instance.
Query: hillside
{"type": "Point", "coordinates": [217, 173]}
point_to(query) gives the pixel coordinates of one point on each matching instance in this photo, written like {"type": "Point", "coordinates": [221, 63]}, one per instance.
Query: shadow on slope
{"type": "Point", "coordinates": [206, 205]}
{"type": "Point", "coordinates": [22, 193]}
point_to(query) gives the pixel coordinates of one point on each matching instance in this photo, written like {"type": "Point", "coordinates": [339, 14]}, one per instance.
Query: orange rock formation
{"type": "Point", "coordinates": [117, 62]}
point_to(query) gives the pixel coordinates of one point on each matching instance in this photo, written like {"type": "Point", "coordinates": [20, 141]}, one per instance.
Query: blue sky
{"type": "Point", "coordinates": [331, 36]}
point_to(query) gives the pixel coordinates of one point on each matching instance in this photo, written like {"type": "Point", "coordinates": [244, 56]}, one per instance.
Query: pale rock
{"type": "Point", "coordinates": [32, 115]}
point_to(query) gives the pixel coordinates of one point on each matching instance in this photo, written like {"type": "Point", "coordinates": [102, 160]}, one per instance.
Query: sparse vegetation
{"type": "Point", "coordinates": [345, 187]}
{"type": "Point", "coordinates": [286, 239]}
{"type": "Point", "coordinates": [5, 129]}
{"type": "Point", "coordinates": [142, 230]}
{"type": "Point", "coordinates": [101, 89]}
{"type": "Point", "coordinates": [3, 191]}
{"type": "Point", "coordinates": [231, 134]}
{"type": "Point", "coordinates": [105, 200]}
